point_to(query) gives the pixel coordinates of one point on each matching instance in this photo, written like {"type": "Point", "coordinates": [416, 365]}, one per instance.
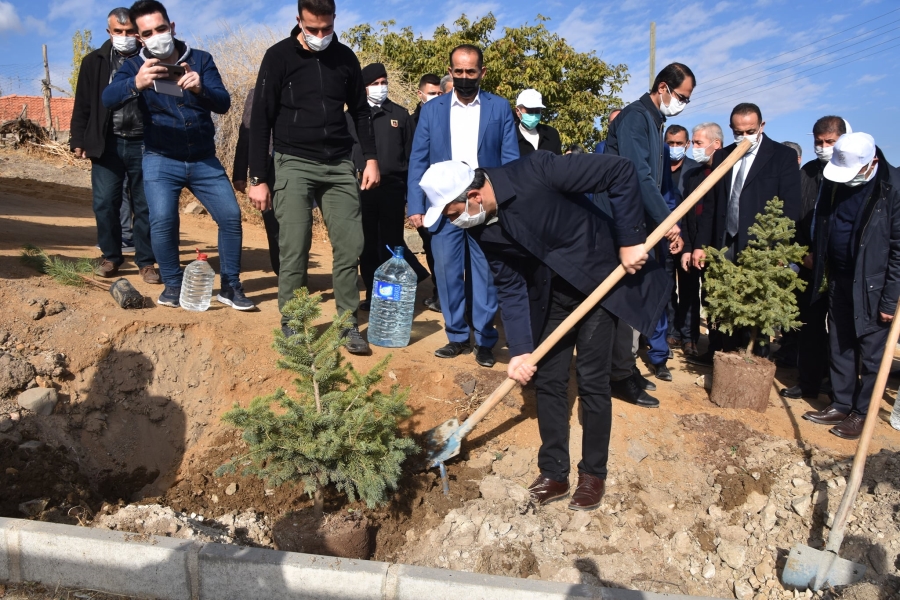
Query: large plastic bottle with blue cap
{"type": "Point", "coordinates": [393, 302]}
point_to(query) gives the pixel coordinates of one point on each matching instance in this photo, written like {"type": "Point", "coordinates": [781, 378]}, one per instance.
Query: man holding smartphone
{"type": "Point", "coordinates": [178, 88]}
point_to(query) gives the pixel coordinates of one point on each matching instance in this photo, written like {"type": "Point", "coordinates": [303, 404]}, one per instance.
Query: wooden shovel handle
{"type": "Point", "coordinates": [611, 280]}
{"type": "Point", "coordinates": [836, 536]}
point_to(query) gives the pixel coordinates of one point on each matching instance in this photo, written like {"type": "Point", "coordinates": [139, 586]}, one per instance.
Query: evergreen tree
{"type": "Point", "coordinates": [339, 430]}
{"type": "Point", "coordinates": [81, 47]}
{"type": "Point", "coordinates": [757, 291]}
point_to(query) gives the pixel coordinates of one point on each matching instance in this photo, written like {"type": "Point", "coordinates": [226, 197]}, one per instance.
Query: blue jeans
{"type": "Point", "coordinates": [164, 178]}
{"type": "Point", "coordinates": [120, 159]}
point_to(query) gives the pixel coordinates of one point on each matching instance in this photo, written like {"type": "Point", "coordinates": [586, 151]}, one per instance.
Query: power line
{"type": "Point", "coordinates": [746, 83]}
{"type": "Point", "coordinates": [805, 45]}
{"type": "Point", "coordinates": [817, 54]}
{"type": "Point", "coordinates": [721, 101]}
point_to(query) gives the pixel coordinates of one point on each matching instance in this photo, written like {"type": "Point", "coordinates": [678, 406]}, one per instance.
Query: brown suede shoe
{"type": "Point", "coordinates": [851, 427]}
{"type": "Point", "coordinates": [149, 274]}
{"type": "Point", "coordinates": [107, 269]}
{"type": "Point", "coordinates": [827, 416]}
{"type": "Point", "coordinates": [589, 492]}
{"type": "Point", "coordinates": [545, 490]}
{"type": "Point", "coordinates": [690, 349]}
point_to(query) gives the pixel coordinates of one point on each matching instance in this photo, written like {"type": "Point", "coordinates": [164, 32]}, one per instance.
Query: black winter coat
{"type": "Point", "coordinates": [548, 139]}
{"type": "Point", "coordinates": [90, 119]}
{"type": "Point", "coordinates": [547, 226]}
{"type": "Point", "coordinates": [876, 275]}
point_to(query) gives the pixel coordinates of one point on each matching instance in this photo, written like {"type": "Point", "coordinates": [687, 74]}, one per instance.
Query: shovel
{"type": "Point", "coordinates": [443, 442]}
{"type": "Point", "coordinates": [808, 568]}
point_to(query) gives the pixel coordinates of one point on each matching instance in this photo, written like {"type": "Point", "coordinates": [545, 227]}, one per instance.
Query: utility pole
{"type": "Point", "coordinates": [652, 53]}
{"type": "Point", "coordinates": [45, 86]}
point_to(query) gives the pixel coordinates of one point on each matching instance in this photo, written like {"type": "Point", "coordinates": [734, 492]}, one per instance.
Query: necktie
{"type": "Point", "coordinates": [734, 201]}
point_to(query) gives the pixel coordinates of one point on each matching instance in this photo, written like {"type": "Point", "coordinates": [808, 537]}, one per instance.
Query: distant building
{"type": "Point", "coordinates": [60, 110]}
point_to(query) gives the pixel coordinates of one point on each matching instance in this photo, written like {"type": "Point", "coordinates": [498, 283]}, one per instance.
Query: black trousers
{"type": "Point", "coordinates": [383, 211]}
{"type": "Point", "coordinates": [683, 309]}
{"type": "Point", "coordinates": [812, 342]}
{"type": "Point", "coordinates": [854, 360]}
{"type": "Point", "coordinates": [429, 257]}
{"type": "Point", "coordinates": [271, 224]}
{"type": "Point", "coordinates": [592, 337]}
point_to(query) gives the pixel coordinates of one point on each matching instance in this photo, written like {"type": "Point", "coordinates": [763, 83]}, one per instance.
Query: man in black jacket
{"type": "Point", "coordinates": [767, 170]}
{"type": "Point", "coordinates": [304, 82]}
{"type": "Point", "coordinates": [811, 337]}
{"type": "Point", "coordinates": [857, 241]}
{"type": "Point", "coordinates": [531, 133]}
{"type": "Point", "coordinates": [384, 207]}
{"type": "Point", "coordinates": [113, 141]}
{"type": "Point", "coordinates": [549, 247]}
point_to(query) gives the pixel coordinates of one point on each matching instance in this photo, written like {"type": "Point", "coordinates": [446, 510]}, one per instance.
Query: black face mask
{"type": "Point", "coordinates": [466, 88]}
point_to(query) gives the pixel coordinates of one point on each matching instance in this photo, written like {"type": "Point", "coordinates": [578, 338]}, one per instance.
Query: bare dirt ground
{"type": "Point", "coordinates": [700, 500]}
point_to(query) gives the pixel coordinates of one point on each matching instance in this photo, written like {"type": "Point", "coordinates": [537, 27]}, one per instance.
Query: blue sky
{"type": "Point", "coordinates": [797, 60]}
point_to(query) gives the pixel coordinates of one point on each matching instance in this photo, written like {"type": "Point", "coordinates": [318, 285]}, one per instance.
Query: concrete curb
{"type": "Point", "coordinates": [171, 569]}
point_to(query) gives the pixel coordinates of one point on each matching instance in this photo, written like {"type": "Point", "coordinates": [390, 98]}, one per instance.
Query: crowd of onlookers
{"type": "Point", "coordinates": [320, 131]}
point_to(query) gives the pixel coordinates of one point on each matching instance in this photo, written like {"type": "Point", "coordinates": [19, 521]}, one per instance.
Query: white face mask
{"type": "Point", "coordinates": [465, 220]}
{"type": "Point", "coordinates": [426, 97]}
{"type": "Point", "coordinates": [124, 44]}
{"type": "Point", "coordinates": [317, 44]}
{"type": "Point", "coordinates": [700, 155]}
{"type": "Point", "coordinates": [675, 106]}
{"type": "Point", "coordinates": [754, 139]}
{"type": "Point", "coordinates": [823, 153]}
{"type": "Point", "coordinates": [377, 93]}
{"type": "Point", "coordinates": [160, 45]}
{"type": "Point", "coordinates": [861, 178]}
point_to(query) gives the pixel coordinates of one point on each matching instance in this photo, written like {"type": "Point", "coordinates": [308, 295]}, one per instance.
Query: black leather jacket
{"type": "Point", "coordinates": [127, 121]}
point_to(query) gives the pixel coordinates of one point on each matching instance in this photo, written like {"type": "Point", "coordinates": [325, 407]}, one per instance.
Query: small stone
{"type": "Point", "coordinates": [482, 461]}
{"type": "Point", "coordinates": [732, 554]}
{"type": "Point", "coordinates": [54, 308]}
{"type": "Point", "coordinates": [743, 590]}
{"type": "Point", "coordinates": [730, 470]}
{"type": "Point", "coordinates": [38, 313]}
{"type": "Point", "coordinates": [755, 502]}
{"type": "Point", "coordinates": [231, 490]}
{"type": "Point", "coordinates": [215, 499]}
{"type": "Point", "coordinates": [31, 446]}
{"type": "Point", "coordinates": [763, 570]}
{"type": "Point", "coordinates": [6, 424]}
{"type": "Point", "coordinates": [33, 508]}
{"type": "Point", "coordinates": [579, 519]}
{"type": "Point", "coordinates": [716, 512]}
{"type": "Point", "coordinates": [38, 400]}
{"type": "Point", "coordinates": [194, 208]}
{"type": "Point", "coordinates": [636, 452]}
{"type": "Point", "coordinates": [840, 481]}
{"type": "Point", "coordinates": [493, 488]}
{"type": "Point", "coordinates": [683, 543]}
{"type": "Point", "coordinates": [709, 571]}
{"type": "Point", "coordinates": [801, 505]}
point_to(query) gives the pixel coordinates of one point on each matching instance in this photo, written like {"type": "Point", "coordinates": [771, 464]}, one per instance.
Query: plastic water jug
{"type": "Point", "coordinates": [393, 302]}
{"type": "Point", "coordinates": [197, 284]}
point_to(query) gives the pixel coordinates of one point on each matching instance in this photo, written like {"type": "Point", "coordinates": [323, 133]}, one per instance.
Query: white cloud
{"type": "Point", "coordinates": [9, 19]}
{"type": "Point", "coordinates": [33, 25]}
{"type": "Point", "coordinates": [870, 79]}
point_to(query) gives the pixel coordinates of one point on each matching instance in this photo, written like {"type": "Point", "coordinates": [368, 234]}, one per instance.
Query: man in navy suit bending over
{"type": "Point", "coordinates": [477, 128]}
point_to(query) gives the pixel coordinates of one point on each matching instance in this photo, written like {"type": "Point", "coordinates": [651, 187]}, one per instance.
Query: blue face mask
{"type": "Point", "coordinates": [530, 121]}
{"type": "Point", "coordinates": [676, 153]}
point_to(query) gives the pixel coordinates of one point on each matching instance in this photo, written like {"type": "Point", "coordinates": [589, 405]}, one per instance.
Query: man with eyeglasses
{"type": "Point", "coordinates": [178, 88]}
{"type": "Point", "coordinates": [638, 134]}
{"type": "Point", "coordinates": [767, 170]}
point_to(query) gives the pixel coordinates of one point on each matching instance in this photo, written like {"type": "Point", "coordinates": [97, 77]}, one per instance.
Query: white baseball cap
{"type": "Point", "coordinates": [852, 152]}
{"type": "Point", "coordinates": [442, 183]}
{"type": "Point", "coordinates": [530, 98]}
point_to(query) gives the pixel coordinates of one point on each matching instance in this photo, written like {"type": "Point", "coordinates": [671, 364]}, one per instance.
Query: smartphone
{"type": "Point", "coordinates": [175, 71]}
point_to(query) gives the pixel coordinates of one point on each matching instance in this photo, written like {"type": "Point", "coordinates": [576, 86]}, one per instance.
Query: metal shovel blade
{"type": "Point", "coordinates": [808, 568]}
{"type": "Point", "coordinates": [441, 444]}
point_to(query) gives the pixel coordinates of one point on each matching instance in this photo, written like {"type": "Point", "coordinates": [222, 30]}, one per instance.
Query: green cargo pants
{"type": "Point", "coordinates": [333, 186]}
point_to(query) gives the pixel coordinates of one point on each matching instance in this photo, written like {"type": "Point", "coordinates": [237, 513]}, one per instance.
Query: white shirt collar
{"type": "Point", "coordinates": [456, 101]}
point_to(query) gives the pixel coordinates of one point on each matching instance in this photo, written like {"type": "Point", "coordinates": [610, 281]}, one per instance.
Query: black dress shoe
{"type": "Point", "coordinates": [545, 490]}
{"type": "Point", "coordinates": [453, 349]}
{"type": "Point", "coordinates": [851, 427]}
{"type": "Point", "coordinates": [432, 303]}
{"type": "Point", "coordinates": [663, 373]}
{"type": "Point", "coordinates": [641, 381]}
{"type": "Point", "coordinates": [827, 416]}
{"type": "Point", "coordinates": [796, 392]}
{"type": "Point", "coordinates": [629, 391]}
{"type": "Point", "coordinates": [354, 342]}
{"type": "Point", "coordinates": [484, 356]}
{"type": "Point", "coordinates": [365, 305]}
{"type": "Point", "coordinates": [703, 360]}
{"type": "Point", "coordinates": [589, 492]}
